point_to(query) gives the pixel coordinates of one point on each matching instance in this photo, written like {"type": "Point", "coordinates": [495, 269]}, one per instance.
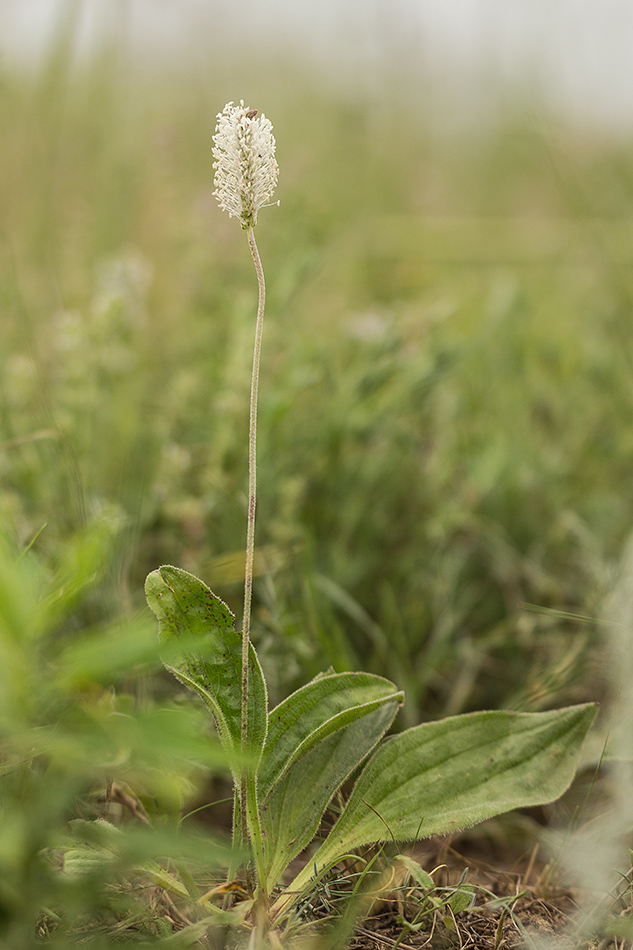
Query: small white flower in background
{"type": "Point", "coordinates": [246, 170]}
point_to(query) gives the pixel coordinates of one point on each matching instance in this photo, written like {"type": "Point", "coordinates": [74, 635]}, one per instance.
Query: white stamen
{"type": "Point", "coordinates": [246, 170]}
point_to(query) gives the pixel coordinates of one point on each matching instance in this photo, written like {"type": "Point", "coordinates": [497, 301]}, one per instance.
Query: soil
{"type": "Point", "coordinates": [533, 911]}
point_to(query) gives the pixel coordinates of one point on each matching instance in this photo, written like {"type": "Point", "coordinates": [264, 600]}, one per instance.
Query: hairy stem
{"type": "Point", "coordinates": [250, 530]}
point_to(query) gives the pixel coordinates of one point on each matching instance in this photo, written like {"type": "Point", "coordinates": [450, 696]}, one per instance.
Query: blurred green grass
{"type": "Point", "coordinates": [445, 402]}
{"type": "Point", "coordinates": [75, 747]}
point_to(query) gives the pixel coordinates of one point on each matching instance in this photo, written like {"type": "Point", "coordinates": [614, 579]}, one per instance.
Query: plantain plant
{"type": "Point", "coordinates": [287, 764]}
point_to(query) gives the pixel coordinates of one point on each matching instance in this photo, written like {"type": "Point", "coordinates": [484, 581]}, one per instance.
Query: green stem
{"type": "Point", "coordinates": [248, 802]}
{"type": "Point", "coordinates": [255, 831]}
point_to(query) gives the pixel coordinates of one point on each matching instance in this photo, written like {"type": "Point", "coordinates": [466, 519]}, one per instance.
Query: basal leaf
{"type": "Point", "coordinates": [314, 712]}
{"type": "Point", "coordinates": [292, 811]}
{"type": "Point", "coordinates": [444, 776]}
{"type": "Point", "coordinates": [185, 607]}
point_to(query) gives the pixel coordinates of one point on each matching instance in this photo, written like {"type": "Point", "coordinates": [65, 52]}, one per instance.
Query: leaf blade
{"type": "Point", "coordinates": [531, 746]}
{"type": "Point", "coordinates": [444, 776]}
{"type": "Point", "coordinates": [312, 713]}
{"type": "Point", "coordinates": [186, 608]}
{"type": "Point", "coordinates": [293, 810]}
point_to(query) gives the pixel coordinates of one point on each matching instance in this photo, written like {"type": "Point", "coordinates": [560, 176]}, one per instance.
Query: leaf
{"type": "Point", "coordinates": [164, 879]}
{"type": "Point", "coordinates": [312, 713]}
{"type": "Point", "coordinates": [461, 898]}
{"type": "Point", "coordinates": [443, 776]}
{"type": "Point", "coordinates": [185, 607]}
{"type": "Point", "coordinates": [95, 848]}
{"type": "Point", "coordinates": [103, 850]}
{"type": "Point", "coordinates": [292, 811]}
{"type": "Point", "coordinates": [421, 877]}
{"type": "Point", "coordinates": [315, 740]}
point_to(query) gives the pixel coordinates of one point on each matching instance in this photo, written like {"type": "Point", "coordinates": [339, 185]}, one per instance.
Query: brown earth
{"type": "Point", "coordinates": [519, 902]}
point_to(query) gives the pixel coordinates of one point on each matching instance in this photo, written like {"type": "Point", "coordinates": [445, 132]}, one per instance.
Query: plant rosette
{"type": "Point", "coordinates": [435, 778]}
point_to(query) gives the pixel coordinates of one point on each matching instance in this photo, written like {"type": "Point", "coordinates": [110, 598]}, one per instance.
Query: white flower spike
{"type": "Point", "coordinates": [246, 170]}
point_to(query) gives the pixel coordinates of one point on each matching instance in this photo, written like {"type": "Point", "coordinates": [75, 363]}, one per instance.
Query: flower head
{"type": "Point", "coordinates": [245, 166]}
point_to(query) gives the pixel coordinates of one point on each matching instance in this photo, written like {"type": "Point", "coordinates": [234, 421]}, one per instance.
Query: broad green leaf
{"type": "Point", "coordinates": [312, 713]}
{"type": "Point", "coordinates": [185, 606]}
{"type": "Point", "coordinates": [443, 776]}
{"type": "Point", "coordinates": [293, 810]}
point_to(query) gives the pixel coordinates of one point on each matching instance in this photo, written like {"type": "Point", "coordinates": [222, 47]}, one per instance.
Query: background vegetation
{"type": "Point", "coordinates": [446, 401]}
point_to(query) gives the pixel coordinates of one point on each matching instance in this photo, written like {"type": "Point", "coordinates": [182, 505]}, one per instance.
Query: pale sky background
{"type": "Point", "coordinates": [578, 52]}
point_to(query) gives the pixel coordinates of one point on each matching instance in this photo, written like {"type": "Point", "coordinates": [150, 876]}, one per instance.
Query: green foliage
{"type": "Point", "coordinates": [432, 779]}
{"type": "Point", "coordinates": [444, 776]}
{"type": "Point", "coordinates": [445, 425]}
{"type": "Point", "coordinates": [445, 399]}
{"type": "Point", "coordinates": [66, 738]}
{"type": "Point", "coordinates": [184, 605]}
{"type": "Point", "coordinates": [313, 740]}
